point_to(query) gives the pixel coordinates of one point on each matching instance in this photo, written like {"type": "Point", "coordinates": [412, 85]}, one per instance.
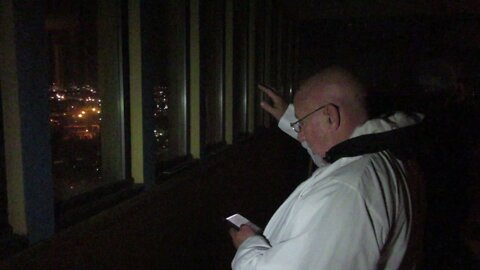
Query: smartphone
{"type": "Point", "coordinates": [238, 220]}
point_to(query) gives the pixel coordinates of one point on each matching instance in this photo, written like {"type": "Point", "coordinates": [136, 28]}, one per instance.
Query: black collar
{"type": "Point", "coordinates": [403, 142]}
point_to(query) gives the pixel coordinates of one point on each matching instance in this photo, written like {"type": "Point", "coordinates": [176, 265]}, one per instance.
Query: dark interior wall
{"type": "Point", "coordinates": [312, 10]}
{"type": "Point", "coordinates": [388, 53]}
{"type": "Point", "coordinates": [384, 48]}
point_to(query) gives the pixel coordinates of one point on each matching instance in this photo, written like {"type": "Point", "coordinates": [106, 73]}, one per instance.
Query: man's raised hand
{"type": "Point", "coordinates": [278, 106]}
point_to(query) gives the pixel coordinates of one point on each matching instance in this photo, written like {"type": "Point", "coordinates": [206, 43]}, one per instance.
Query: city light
{"type": "Point", "coordinates": [74, 111]}
{"type": "Point", "coordinates": [160, 116]}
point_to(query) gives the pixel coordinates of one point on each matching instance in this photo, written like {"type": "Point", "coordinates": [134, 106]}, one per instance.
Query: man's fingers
{"type": "Point", "coordinates": [238, 237]}
{"type": "Point", "coordinates": [269, 92]}
{"type": "Point", "coordinates": [246, 229]}
{"type": "Point", "coordinates": [232, 232]}
{"type": "Point", "coordinates": [278, 106]}
{"type": "Point", "coordinates": [267, 107]}
{"type": "Point", "coordinates": [278, 101]}
{"type": "Point", "coordinates": [274, 111]}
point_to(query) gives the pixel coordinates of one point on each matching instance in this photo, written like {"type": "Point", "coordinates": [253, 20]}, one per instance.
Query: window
{"type": "Point", "coordinates": [265, 64]}
{"type": "Point", "coordinates": [212, 40]}
{"type": "Point", "coordinates": [170, 95]}
{"type": "Point", "coordinates": [240, 62]}
{"type": "Point", "coordinates": [86, 97]}
{"type": "Point", "coordinates": [288, 55]}
{"type": "Point", "coordinates": [260, 58]}
{"type": "Point", "coordinates": [165, 75]}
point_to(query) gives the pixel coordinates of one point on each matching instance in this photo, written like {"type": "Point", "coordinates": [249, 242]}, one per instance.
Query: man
{"type": "Point", "coordinates": [354, 211]}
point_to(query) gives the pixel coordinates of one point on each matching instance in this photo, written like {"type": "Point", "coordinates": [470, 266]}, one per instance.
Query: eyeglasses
{"type": "Point", "coordinates": [297, 125]}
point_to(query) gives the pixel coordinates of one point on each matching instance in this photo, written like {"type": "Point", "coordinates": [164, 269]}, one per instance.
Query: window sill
{"type": "Point", "coordinates": [83, 206]}
{"type": "Point", "coordinates": [170, 167]}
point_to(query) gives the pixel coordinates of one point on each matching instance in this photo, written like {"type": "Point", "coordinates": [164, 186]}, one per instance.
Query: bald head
{"type": "Point", "coordinates": [338, 86]}
{"type": "Point", "coordinates": [341, 99]}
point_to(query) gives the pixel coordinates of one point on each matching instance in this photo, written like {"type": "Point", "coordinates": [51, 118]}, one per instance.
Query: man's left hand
{"type": "Point", "coordinates": [238, 237]}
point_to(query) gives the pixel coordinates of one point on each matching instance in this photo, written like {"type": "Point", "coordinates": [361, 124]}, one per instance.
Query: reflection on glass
{"type": "Point", "coordinates": [160, 116]}
{"type": "Point", "coordinates": [212, 71]}
{"type": "Point", "coordinates": [240, 83]}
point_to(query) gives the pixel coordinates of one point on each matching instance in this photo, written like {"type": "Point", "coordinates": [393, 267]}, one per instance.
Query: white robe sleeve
{"type": "Point", "coordinates": [339, 235]}
{"type": "Point", "coordinates": [287, 118]}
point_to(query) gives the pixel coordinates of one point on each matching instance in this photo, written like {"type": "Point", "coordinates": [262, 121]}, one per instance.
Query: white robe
{"type": "Point", "coordinates": [351, 214]}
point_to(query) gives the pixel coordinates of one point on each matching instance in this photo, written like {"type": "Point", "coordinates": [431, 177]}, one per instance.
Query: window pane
{"type": "Point", "coordinates": [169, 92]}
{"type": "Point", "coordinates": [212, 38]}
{"type": "Point", "coordinates": [287, 59]}
{"type": "Point", "coordinates": [277, 50]}
{"type": "Point", "coordinates": [260, 53]}
{"type": "Point", "coordinates": [84, 95]}
{"type": "Point", "coordinates": [164, 73]}
{"type": "Point", "coordinates": [240, 57]}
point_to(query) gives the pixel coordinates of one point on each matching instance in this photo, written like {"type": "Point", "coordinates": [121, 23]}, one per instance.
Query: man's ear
{"type": "Point", "coordinates": [333, 115]}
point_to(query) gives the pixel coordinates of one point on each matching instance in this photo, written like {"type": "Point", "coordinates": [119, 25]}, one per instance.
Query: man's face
{"type": "Point", "coordinates": [313, 127]}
